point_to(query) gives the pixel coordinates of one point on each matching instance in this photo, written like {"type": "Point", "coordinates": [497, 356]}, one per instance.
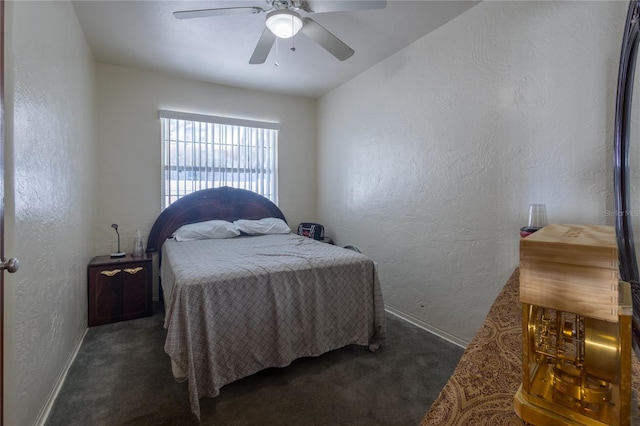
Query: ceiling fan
{"type": "Point", "coordinates": [283, 20]}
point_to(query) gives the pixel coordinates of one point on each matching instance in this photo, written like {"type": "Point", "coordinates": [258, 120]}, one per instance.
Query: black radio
{"type": "Point", "coordinates": [311, 230]}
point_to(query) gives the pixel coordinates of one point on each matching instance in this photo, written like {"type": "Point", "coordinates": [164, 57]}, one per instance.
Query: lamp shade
{"type": "Point", "coordinates": [284, 23]}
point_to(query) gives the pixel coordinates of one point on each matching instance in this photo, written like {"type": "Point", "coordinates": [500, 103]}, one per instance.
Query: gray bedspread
{"type": "Point", "coordinates": [240, 305]}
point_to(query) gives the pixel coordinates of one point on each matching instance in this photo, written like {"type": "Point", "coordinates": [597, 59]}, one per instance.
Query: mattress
{"type": "Point", "coordinates": [236, 306]}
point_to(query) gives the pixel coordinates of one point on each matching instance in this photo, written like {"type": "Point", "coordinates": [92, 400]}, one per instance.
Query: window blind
{"type": "Point", "coordinates": [201, 151]}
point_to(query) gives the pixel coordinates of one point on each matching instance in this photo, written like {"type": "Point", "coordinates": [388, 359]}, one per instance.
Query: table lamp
{"type": "Point", "coordinates": [118, 253]}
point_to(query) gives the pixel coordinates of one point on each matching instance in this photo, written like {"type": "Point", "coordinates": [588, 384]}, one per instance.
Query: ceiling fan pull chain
{"type": "Point", "coordinates": [276, 62]}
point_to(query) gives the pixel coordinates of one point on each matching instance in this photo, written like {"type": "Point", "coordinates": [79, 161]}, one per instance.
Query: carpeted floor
{"type": "Point", "coordinates": [122, 376]}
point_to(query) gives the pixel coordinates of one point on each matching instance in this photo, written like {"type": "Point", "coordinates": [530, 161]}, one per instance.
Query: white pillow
{"type": "Point", "coordinates": [268, 225]}
{"type": "Point", "coordinates": [206, 230]}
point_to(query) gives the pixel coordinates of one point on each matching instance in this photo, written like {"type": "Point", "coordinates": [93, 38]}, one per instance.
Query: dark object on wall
{"type": "Point", "coordinates": [311, 230]}
{"type": "Point", "coordinates": [621, 173]}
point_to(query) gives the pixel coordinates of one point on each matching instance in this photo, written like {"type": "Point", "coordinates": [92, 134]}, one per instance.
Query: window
{"type": "Point", "coordinates": [200, 151]}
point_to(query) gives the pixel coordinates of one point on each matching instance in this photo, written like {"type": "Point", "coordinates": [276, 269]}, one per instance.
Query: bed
{"type": "Point", "coordinates": [481, 389]}
{"type": "Point", "coordinates": [235, 306]}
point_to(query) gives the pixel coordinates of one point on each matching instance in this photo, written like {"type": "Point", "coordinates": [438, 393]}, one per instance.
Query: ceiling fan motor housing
{"type": "Point", "coordinates": [284, 23]}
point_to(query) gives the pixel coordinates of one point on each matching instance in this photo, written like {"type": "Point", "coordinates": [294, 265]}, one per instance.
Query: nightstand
{"type": "Point", "coordinates": [119, 289]}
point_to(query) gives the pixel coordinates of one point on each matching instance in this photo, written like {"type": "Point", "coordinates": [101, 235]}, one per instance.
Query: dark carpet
{"type": "Point", "coordinates": [121, 376]}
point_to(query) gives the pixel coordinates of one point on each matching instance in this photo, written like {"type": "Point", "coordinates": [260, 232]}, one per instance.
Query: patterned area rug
{"type": "Point", "coordinates": [481, 389]}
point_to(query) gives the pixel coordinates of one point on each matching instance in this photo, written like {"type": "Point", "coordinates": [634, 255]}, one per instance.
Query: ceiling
{"type": "Point", "coordinates": [145, 34]}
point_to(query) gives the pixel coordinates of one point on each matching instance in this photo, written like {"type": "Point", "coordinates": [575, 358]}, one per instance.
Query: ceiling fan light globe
{"type": "Point", "coordinates": [284, 23]}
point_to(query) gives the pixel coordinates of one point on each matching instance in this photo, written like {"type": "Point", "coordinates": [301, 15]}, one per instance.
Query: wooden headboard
{"type": "Point", "coordinates": [223, 203]}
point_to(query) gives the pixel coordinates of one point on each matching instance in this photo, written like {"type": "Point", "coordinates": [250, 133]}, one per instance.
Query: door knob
{"type": "Point", "coordinates": [10, 265]}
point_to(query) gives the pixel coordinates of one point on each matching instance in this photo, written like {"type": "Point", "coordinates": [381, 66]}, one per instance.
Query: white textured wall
{"type": "Point", "coordinates": [429, 160]}
{"type": "Point", "coordinates": [50, 164]}
{"type": "Point", "coordinates": [129, 150]}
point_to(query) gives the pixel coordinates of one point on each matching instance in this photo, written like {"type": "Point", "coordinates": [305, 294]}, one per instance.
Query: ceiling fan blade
{"type": "Point", "coordinates": [324, 38]}
{"type": "Point", "coordinates": [203, 13]}
{"type": "Point", "coordinates": [263, 48]}
{"type": "Point", "coordinates": [321, 6]}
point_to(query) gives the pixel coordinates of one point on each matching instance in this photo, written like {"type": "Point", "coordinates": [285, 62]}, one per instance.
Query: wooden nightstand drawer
{"type": "Point", "coordinates": [119, 289]}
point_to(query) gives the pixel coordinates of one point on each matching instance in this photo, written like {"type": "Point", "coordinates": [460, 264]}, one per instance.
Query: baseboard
{"type": "Point", "coordinates": [433, 330]}
{"type": "Point", "coordinates": [44, 413]}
